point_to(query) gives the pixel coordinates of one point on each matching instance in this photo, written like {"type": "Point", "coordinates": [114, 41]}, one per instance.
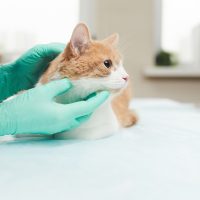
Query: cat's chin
{"type": "Point", "coordinates": [117, 90]}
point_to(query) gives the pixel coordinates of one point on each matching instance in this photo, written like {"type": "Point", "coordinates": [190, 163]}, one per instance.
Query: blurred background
{"type": "Point", "coordinates": [160, 39]}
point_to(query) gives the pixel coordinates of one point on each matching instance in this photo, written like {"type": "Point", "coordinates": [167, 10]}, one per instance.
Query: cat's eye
{"type": "Point", "coordinates": [107, 63]}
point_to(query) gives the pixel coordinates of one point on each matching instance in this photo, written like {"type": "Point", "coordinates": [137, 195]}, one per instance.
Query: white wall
{"type": "Point", "coordinates": [134, 20]}
{"type": "Point", "coordinates": [25, 23]}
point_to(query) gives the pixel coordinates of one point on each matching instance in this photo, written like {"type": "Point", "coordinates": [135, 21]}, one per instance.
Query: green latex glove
{"type": "Point", "coordinates": [25, 72]}
{"type": "Point", "coordinates": [36, 112]}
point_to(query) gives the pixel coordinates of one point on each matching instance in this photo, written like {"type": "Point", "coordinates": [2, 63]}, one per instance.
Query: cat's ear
{"type": "Point", "coordinates": [80, 39]}
{"type": "Point", "coordinates": [112, 39]}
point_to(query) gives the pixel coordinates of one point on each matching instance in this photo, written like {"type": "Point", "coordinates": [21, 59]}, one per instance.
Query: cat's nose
{"type": "Point", "coordinates": [125, 78]}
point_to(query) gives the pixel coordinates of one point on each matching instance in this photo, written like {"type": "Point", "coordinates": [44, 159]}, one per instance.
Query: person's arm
{"type": "Point", "coordinates": [35, 111]}
{"type": "Point", "coordinates": [24, 73]}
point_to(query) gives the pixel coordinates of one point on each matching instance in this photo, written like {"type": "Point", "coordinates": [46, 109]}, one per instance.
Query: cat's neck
{"type": "Point", "coordinates": [80, 90]}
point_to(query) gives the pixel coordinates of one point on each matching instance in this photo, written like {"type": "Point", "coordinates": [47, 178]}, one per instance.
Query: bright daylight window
{"type": "Point", "coordinates": [180, 29]}
{"type": "Point", "coordinates": [26, 23]}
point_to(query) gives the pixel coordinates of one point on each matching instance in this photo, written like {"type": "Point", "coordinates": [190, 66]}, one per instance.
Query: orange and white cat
{"type": "Point", "coordinates": [93, 66]}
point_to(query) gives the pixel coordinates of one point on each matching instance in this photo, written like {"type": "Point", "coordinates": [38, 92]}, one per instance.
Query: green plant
{"type": "Point", "coordinates": [164, 58]}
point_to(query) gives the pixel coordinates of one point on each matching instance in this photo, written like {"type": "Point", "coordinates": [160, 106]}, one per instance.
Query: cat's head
{"type": "Point", "coordinates": [96, 65]}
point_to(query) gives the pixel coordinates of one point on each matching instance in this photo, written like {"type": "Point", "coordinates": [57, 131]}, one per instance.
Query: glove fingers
{"type": "Point", "coordinates": [52, 49]}
{"type": "Point", "coordinates": [42, 51]}
{"type": "Point", "coordinates": [82, 108]}
{"type": "Point", "coordinates": [57, 87]}
{"type": "Point", "coordinates": [73, 124]}
{"type": "Point", "coordinates": [83, 118]}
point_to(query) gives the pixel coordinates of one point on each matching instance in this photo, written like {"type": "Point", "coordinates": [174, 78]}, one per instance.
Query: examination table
{"type": "Point", "coordinates": [158, 159]}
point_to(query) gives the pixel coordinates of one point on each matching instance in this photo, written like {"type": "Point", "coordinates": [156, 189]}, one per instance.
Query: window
{"type": "Point", "coordinates": [26, 23]}
{"type": "Point", "coordinates": [180, 29]}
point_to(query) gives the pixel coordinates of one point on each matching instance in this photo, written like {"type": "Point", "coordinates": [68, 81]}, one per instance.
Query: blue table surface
{"type": "Point", "coordinates": [159, 158]}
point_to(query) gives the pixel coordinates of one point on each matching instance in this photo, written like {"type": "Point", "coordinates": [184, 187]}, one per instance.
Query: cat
{"type": "Point", "coordinates": [93, 66]}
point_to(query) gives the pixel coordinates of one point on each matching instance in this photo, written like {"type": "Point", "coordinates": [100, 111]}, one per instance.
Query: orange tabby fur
{"type": "Point", "coordinates": [89, 64]}
{"type": "Point", "coordinates": [120, 105]}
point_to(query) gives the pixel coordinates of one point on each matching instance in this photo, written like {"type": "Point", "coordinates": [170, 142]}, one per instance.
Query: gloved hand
{"type": "Point", "coordinates": [25, 72]}
{"type": "Point", "coordinates": [35, 111]}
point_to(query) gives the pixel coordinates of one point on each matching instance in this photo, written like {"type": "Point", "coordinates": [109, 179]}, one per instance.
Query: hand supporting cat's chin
{"type": "Point", "coordinates": [84, 87]}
